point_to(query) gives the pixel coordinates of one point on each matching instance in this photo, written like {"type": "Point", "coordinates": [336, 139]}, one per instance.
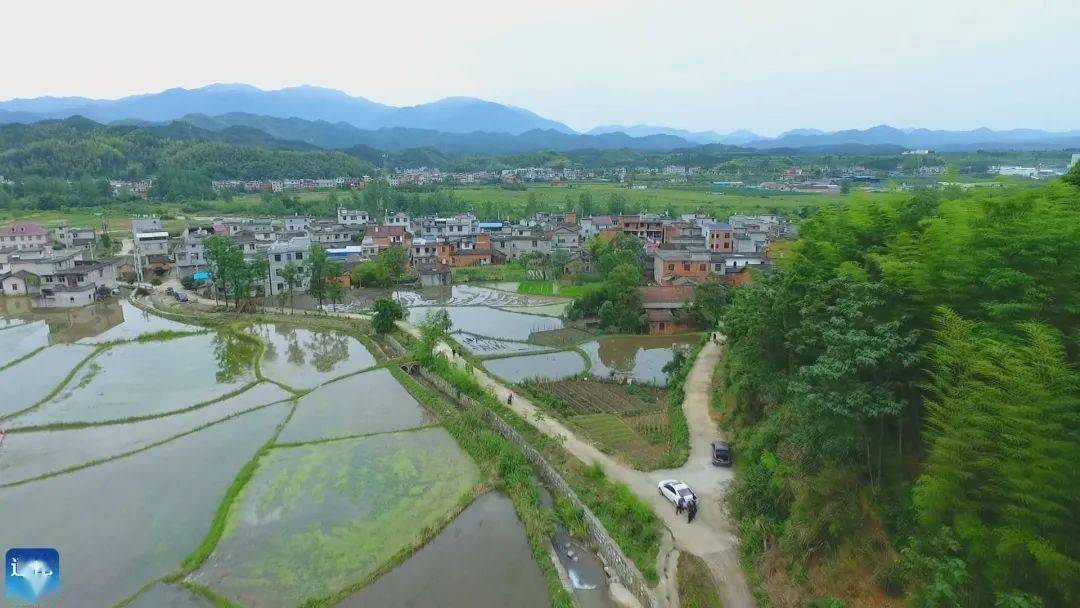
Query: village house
{"type": "Point", "coordinates": [279, 255]}
{"type": "Point", "coordinates": [76, 237]}
{"type": "Point", "coordinates": [513, 247]}
{"type": "Point", "coordinates": [56, 279]}
{"type": "Point", "coordinates": [662, 305]}
{"type": "Point", "coordinates": [718, 236]}
{"type": "Point", "coordinates": [352, 217]}
{"type": "Point", "coordinates": [24, 235]}
{"type": "Point", "coordinates": [380, 237]}
{"type": "Point", "coordinates": [682, 266]}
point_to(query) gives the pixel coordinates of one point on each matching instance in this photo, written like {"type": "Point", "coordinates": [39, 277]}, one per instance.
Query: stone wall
{"type": "Point", "coordinates": [628, 574]}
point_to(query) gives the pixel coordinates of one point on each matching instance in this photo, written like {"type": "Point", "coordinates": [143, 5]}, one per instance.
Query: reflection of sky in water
{"type": "Point", "coordinates": [124, 523]}
{"type": "Point", "coordinates": [486, 321]}
{"type": "Point", "coordinates": [141, 379]}
{"type": "Point", "coordinates": [551, 365]}
{"type": "Point", "coordinates": [29, 455]}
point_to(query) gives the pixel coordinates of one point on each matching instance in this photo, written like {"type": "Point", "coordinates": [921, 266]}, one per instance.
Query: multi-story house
{"type": "Point", "coordinates": [24, 235]}
{"type": "Point", "coordinates": [399, 218]}
{"type": "Point", "coordinates": [379, 237]}
{"type": "Point", "coordinates": [332, 234]}
{"type": "Point", "coordinates": [352, 217]}
{"type": "Point", "coordinates": [718, 237]}
{"type": "Point", "coordinates": [282, 253]}
{"type": "Point", "coordinates": [565, 237]}
{"type": "Point", "coordinates": [56, 279]}
{"type": "Point", "coordinates": [298, 223]}
{"type": "Point", "coordinates": [516, 246]}
{"type": "Point", "coordinates": [645, 226]}
{"type": "Point", "coordinates": [76, 238]}
{"type": "Point", "coordinates": [681, 266]}
{"type": "Point", "coordinates": [188, 248]}
{"type": "Point", "coordinates": [464, 224]}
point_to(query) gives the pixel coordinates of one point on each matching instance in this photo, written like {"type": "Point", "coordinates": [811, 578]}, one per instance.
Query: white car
{"type": "Point", "coordinates": [673, 490]}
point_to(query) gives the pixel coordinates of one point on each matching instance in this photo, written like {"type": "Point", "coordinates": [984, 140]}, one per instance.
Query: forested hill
{"type": "Point", "coordinates": [905, 397]}
{"type": "Point", "coordinates": [79, 148]}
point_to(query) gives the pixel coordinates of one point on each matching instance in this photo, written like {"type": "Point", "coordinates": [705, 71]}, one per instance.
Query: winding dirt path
{"type": "Point", "coordinates": [712, 536]}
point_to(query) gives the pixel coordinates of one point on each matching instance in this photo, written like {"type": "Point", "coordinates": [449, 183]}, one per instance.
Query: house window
{"type": "Point", "coordinates": [701, 267]}
{"type": "Point", "coordinates": [661, 326]}
{"type": "Point", "coordinates": [686, 266]}
{"type": "Point", "coordinates": [299, 255]}
{"type": "Point", "coordinates": [671, 267]}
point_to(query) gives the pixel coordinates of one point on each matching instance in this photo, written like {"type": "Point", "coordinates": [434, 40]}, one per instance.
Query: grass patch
{"type": "Point", "coordinates": [507, 464]}
{"type": "Point", "coordinates": [697, 589]}
{"type": "Point", "coordinates": [536, 288]}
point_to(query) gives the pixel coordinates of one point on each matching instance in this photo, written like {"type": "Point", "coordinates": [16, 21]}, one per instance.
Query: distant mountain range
{"type": "Point", "coordinates": [735, 138]}
{"type": "Point", "coordinates": [327, 118]}
{"type": "Point", "coordinates": [451, 115]}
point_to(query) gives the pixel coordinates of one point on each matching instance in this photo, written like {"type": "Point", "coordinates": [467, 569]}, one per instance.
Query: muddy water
{"type": "Point", "coordinates": [481, 346]}
{"type": "Point", "coordinates": [85, 323]}
{"type": "Point", "coordinates": [641, 357]}
{"type": "Point", "coordinates": [487, 321]}
{"type": "Point", "coordinates": [481, 558]}
{"type": "Point", "coordinates": [582, 567]}
{"type": "Point", "coordinates": [551, 365]}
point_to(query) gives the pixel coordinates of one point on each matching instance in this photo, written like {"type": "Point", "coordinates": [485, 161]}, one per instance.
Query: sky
{"type": "Point", "coordinates": [764, 65]}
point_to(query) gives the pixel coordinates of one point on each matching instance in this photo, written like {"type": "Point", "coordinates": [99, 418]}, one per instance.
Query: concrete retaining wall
{"type": "Point", "coordinates": [628, 574]}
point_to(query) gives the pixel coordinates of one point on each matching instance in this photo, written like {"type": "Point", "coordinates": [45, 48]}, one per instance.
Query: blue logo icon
{"type": "Point", "coordinates": [32, 576]}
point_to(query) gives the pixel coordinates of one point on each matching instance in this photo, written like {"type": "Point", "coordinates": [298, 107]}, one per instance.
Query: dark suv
{"type": "Point", "coordinates": [721, 454]}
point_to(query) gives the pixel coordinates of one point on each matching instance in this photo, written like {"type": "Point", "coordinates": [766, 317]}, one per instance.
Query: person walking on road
{"type": "Point", "coordinates": [680, 505]}
{"type": "Point", "coordinates": [509, 398]}
{"type": "Point", "coordinates": [691, 512]}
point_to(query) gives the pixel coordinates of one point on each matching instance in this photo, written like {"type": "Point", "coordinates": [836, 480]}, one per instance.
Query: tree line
{"type": "Point", "coordinates": [904, 388]}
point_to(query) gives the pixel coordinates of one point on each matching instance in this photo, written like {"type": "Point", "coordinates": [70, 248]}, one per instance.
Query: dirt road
{"type": "Point", "coordinates": [712, 535]}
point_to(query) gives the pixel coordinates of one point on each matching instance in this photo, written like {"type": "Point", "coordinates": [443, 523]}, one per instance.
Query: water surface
{"type": "Point", "coordinates": [142, 379]}
{"type": "Point", "coordinates": [122, 524]}
{"type": "Point", "coordinates": [317, 518]}
{"type": "Point", "coordinates": [640, 357]}
{"type": "Point", "coordinates": [555, 365]}
{"type": "Point", "coordinates": [371, 402]}
{"type": "Point", "coordinates": [482, 558]}
{"type": "Point", "coordinates": [487, 321]}
{"type": "Point", "coordinates": [304, 358]}
{"type": "Point", "coordinates": [31, 380]}
{"type": "Point", "coordinates": [136, 322]}
{"type": "Point", "coordinates": [28, 455]}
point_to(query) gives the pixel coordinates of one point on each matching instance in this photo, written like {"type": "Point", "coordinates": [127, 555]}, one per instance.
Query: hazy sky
{"type": "Point", "coordinates": [766, 65]}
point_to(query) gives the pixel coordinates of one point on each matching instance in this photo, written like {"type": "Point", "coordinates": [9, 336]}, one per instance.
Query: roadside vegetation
{"type": "Point", "coordinates": [903, 396]}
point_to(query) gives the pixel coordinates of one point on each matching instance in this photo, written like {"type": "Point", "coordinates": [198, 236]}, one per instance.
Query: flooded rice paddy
{"type": "Point", "coordinates": [122, 524]}
{"type": "Point", "coordinates": [487, 321]}
{"type": "Point", "coordinates": [371, 402]}
{"type": "Point", "coordinates": [32, 454]}
{"type": "Point", "coordinates": [482, 558]}
{"type": "Point", "coordinates": [31, 380]}
{"type": "Point", "coordinates": [553, 366]}
{"type": "Point", "coordinates": [481, 346]}
{"type": "Point", "coordinates": [139, 379]}
{"type": "Point", "coordinates": [147, 436]}
{"type": "Point", "coordinates": [639, 357]}
{"type": "Point", "coordinates": [317, 518]}
{"type": "Point", "coordinates": [137, 323]}
{"type": "Point", "coordinates": [304, 358]}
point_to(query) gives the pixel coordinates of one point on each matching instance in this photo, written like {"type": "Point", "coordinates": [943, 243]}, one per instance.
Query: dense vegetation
{"type": "Point", "coordinates": [905, 398]}
{"type": "Point", "coordinates": [68, 162]}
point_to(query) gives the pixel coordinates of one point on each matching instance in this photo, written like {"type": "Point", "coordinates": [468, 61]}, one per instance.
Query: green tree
{"type": "Point", "coordinates": [394, 259]}
{"type": "Point", "coordinates": [709, 303]}
{"type": "Point", "coordinates": [318, 268]}
{"type": "Point", "coordinates": [387, 313]}
{"type": "Point", "coordinates": [292, 276]}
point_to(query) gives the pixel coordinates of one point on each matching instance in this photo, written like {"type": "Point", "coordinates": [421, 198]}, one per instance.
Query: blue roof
{"type": "Point", "coordinates": [201, 276]}
{"type": "Point", "coordinates": [491, 224]}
